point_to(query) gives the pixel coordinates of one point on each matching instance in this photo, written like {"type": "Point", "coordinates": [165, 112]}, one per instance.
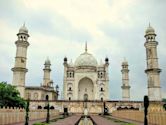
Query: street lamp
{"type": "Point", "coordinates": [27, 111]}
{"type": "Point", "coordinates": [57, 90]}
{"type": "Point", "coordinates": [48, 109]}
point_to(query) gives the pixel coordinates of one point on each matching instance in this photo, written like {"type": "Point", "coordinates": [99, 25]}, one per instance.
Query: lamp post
{"type": "Point", "coordinates": [146, 104]}
{"type": "Point", "coordinates": [48, 109]}
{"type": "Point", "coordinates": [57, 90]}
{"type": "Point", "coordinates": [27, 112]}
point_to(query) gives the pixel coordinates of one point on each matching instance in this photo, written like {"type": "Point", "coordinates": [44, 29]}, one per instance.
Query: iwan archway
{"type": "Point", "coordinates": [85, 89]}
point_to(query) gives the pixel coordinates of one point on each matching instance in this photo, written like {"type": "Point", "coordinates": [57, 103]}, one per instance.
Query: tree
{"type": "Point", "coordinates": [10, 96]}
{"type": "Point", "coordinates": [164, 105]}
{"type": "Point", "coordinates": [164, 100]}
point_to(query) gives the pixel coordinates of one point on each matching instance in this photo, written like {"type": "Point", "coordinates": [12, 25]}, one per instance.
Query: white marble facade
{"type": "Point", "coordinates": [86, 79]}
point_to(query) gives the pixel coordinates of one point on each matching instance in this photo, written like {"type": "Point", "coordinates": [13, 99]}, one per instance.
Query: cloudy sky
{"type": "Point", "coordinates": [58, 28]}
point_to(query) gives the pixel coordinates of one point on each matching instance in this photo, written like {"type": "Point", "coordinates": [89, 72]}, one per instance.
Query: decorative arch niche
{"type": "Point", "coordinates": [86, 87]}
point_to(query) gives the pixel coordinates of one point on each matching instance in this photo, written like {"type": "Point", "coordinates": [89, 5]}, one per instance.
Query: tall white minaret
{"type": "Point", "coordinates": [47, 70]}
{"type": "Point", "coordinates": [125, 81]}
{"type": "Point", "coordinates": [20, 69]}
{"type": "Point", "coordinates": [65, 63]}
{"type": "Point", "coordinates": [153, 70]}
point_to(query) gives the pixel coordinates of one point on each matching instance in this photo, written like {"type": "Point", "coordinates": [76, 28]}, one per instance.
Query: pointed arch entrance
{"type": "Point", "coordinates": [85, 89]}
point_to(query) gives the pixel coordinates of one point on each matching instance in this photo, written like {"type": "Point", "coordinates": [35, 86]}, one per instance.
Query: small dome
{"type": "Point", "coordinates": [150, 30]}
{"type": "Point", "coordinates": [106, 59]}
{"type": "Point", "coordinates": [125, 63]}
{"type": "Point", "coordinates": [47, 62]}
{"type": "Point", "coordinates": [65, 59]}
{"type": "Point", "coordinates": [86, 59]}
{"type": "Point", "coordinates": [23, 29]}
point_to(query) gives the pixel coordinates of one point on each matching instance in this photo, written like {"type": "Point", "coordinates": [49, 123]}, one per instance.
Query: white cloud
{"type": "Point", "coordinates": [59, 28]}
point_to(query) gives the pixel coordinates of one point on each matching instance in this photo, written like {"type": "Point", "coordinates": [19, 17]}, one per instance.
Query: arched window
{"type": "Point", "coordinates": [35, 96]}
{"type": "Point", "coordinates": [101, 98]}
{"type": "Point", "coordinates": [39, 107]}
{"type": "Point", "coordinates": [69, 98]}
{"type": "Point", "coordinates": [85, 97]}
{"type": "Point", "coordinates": [69, 88]}
{"type": "Point", "coordinates": [52, 107]}
{"type": "Point", "coordinates": [101, 89]}
{"type": "Point", "coordinates": [47, 97]}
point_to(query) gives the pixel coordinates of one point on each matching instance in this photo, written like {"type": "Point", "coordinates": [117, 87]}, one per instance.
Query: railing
{"type": "Point", "coordinates": [154, 117]}
{"type": "Point", "coordinates": [17, 115]}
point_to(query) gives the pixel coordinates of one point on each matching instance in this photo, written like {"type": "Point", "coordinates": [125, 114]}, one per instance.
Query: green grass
{"type": "Point", "coordinates": [119, 121]}
{"type": "Point", "coordinates": [38, 123]}
{"type": "Point", "coordinates": [57, 118]}
{"type": "Point", "coordinates": [53, 120]}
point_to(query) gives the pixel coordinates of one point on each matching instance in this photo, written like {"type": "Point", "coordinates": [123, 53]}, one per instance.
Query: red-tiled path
{"type": "Point", "coordinates": [67, 121]}
{"type": "Point", "coordinates": [73, 119]}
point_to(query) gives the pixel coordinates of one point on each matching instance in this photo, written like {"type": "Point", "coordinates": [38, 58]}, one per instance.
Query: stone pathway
{"type": "Point", "coordinates": [71, 120]}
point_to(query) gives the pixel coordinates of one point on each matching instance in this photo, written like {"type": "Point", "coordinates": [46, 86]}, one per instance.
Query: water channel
{"type": "Point", "coordinates": [85, 121]}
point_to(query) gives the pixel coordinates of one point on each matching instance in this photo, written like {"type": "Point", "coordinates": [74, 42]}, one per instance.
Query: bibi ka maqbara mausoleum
{"type": "Point", "coordinates": [85, 79]}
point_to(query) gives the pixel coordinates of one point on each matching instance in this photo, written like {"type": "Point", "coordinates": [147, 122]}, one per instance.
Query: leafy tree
{"type": "Point", "coordinates": [10, 96]}
{"type": "Point", "coordinates": [164, 100]}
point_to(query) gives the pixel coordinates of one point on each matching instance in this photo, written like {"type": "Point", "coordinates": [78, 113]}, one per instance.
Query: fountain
{"type": "Point", "coordinates": [85, 119]}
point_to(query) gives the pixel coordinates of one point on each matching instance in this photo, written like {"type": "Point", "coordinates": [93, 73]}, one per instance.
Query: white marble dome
{"type": "Point", "coordinates": [23, 29]}
{"type": "Point", "coordinates": [86, 59]}
{"type": "Point", "coordinates": [150, 30]}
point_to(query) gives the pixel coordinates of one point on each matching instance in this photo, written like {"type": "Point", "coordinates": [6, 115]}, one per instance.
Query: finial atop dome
{"type": "Point", "coordinates": [101, 62]}
{"type": "Point", "coordinates": [86, 49]}
{"type": "Point", "coordinates": [71, 63]}
{"type": "Point", "coordinates": [24, 24]}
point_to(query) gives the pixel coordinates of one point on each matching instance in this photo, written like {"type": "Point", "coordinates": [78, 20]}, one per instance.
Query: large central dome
{"type": "Point", "coordinates": [85, 59]}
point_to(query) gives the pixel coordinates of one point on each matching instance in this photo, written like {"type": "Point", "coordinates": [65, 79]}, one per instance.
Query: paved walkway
{"type": "Point", "coordinates": [71, 120]}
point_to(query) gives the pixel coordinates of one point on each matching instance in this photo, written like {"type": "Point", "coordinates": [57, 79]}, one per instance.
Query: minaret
{"type": "Point", "coordinates": [106, 65]}
{"type": "Point", "coordinates": [20, 69]}
{"type": "Point", "coordinates": [153, 70]}
{"type": "Point", "coordinates": [65, 63]}
{"type": "Point", "coordinates": [47, 70]}
{"type": "Point", "coordinates": [125, 81]}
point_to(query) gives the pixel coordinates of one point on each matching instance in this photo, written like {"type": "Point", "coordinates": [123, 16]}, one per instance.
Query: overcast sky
{"type": "Point", "coordinates": [59, 28]}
